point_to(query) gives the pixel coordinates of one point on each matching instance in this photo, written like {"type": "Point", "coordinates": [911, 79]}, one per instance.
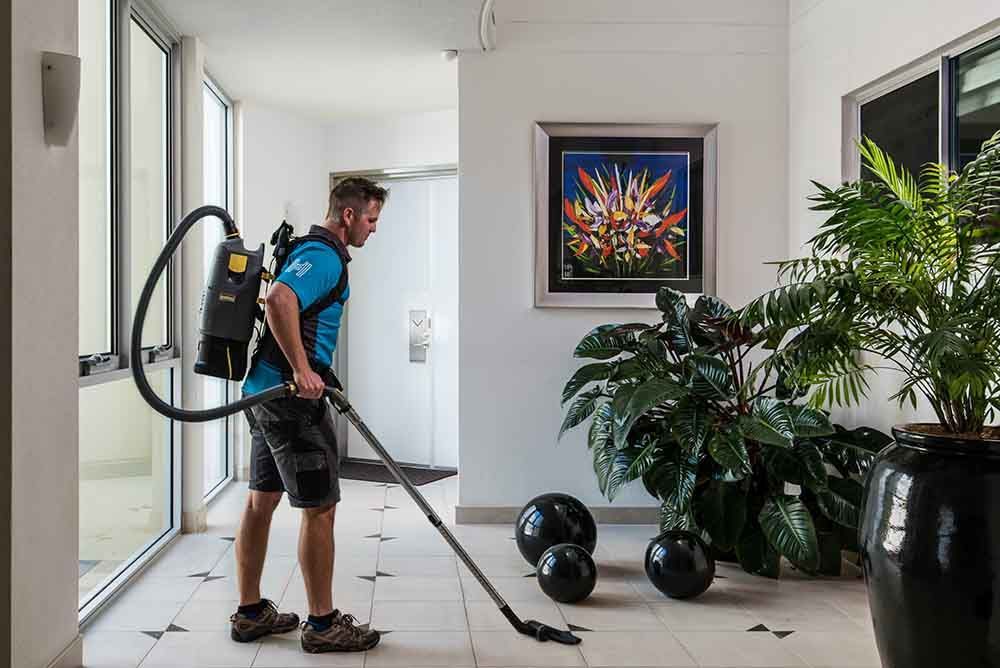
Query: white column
{"type": "Point", "coordinates": [192, 279]}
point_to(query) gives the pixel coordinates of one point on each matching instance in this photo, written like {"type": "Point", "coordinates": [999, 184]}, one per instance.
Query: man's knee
{"type": "Point", "coordinates": [321, 512]}
{"type": "Point", "coordinates": [263, 502]}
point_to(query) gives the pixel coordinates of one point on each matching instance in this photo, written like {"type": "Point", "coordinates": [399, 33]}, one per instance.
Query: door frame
{"type": "Point", "coordinates": [414, 173]}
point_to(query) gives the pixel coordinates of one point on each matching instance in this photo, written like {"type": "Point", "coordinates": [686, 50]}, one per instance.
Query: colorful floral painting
{"type": "Point", "coordinates": [625, 216]}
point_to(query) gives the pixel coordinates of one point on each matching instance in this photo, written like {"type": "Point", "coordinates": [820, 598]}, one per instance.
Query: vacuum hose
{"type": "Point", "coordinates": [139, 373]}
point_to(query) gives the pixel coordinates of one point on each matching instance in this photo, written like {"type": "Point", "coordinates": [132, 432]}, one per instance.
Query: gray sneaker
{"type": "Point", "coordinates": [344, 635]}
{"type": "Point", "coordinates": [247, 629]}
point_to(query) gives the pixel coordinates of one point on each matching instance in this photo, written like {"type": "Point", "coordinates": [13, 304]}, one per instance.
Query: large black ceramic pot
{"type": "Point", "coordinates": [930, 545]}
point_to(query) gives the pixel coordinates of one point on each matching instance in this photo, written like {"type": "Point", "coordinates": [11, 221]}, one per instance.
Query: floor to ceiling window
{"type": "Point", "coordinates": [127, 451]}
{"type": "Point", "coordinates": [218, 174]}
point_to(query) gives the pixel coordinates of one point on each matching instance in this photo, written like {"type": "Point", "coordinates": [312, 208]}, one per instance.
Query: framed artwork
{"type": "Point", "coordinates": [621, 210]}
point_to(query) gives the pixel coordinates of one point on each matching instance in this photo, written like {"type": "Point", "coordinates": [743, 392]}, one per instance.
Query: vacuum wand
{"type": "Point", "coordinates": [535, 629]}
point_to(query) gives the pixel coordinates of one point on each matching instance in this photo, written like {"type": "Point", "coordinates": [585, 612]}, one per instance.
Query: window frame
{"type": "Point", "coordinates": [942, 61]}
{"type": "Point", "coordinates": [208, 81]}
{"type": "Point", "coordinates": [103, 362]}
{"type": "Point", "coordinates": [115, 365]}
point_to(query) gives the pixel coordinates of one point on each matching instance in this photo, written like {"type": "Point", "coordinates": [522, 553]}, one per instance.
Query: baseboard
{"type": "Point", "coordinates": [194, 521]}
{"type": "Point", "coordinates": [71, 657]}
{"type": "Point", "coordinates": [603, 514]}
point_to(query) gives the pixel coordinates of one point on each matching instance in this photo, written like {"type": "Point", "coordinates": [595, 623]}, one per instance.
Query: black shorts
{"type": "Point", "coordinates": [294, 450]}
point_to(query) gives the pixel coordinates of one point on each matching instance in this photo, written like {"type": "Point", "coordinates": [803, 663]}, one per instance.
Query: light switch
{"type": "Point", "coordinates": [420, 335]}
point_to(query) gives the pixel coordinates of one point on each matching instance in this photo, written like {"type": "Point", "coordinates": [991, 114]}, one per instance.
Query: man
{"type": "Point", "coordinates": [293, 448]}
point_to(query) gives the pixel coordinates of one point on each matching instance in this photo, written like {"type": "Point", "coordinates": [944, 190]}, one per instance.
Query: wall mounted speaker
{"type": "Point", "coordinates": [60, 96]}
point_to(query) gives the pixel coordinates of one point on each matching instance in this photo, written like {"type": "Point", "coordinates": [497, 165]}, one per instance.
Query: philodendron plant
{"type": "Point", "coordinates": [717, 439]}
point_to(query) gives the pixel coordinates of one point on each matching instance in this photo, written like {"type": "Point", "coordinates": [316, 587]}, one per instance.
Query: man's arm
{"type": "Point", "coordinates": [283, 320]}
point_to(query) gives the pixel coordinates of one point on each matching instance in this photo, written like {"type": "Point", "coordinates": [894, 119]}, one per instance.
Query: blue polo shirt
{"type": "Point", "coordinates": [312, 270]}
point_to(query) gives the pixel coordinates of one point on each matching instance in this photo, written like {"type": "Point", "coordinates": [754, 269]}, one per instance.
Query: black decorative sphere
{"type": "Point", "coordinates": [679, 564]}
{"type": "Point", "coordinates": [551, 519]}
{"type": "Point", "coordinates": [566, 573]}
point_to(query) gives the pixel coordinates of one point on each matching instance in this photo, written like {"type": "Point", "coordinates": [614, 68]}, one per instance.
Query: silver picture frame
{"type": "Point", "coordinates": [543, 131]}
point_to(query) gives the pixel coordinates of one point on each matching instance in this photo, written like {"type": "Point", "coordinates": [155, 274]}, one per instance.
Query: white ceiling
{"type": "Point", "coordinates": [333, 59]}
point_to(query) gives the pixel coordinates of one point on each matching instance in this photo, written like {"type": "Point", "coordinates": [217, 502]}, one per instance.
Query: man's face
{"type": "Point", "coordinates": [361, 224]}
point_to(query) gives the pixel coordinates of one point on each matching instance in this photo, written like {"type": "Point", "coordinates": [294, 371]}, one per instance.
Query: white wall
{"type": "Point", "coordinates": [716, 61]}
{"type": "Point", "coordinates": [44, 349]}
{"type": "Point", "coordinates": [395, 141]}
{"type": "Point", "coordinates": [285, 172]}
{"type": "Point", "coordinates": [836, 47]}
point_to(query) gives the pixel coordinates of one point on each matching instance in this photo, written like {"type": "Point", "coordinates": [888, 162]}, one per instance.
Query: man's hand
{"type": "Point", "coordinates": [309, 383]}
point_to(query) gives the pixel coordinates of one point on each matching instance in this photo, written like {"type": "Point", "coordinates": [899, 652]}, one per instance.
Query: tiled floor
{"type": "Point", "coordinates": [394, 570]}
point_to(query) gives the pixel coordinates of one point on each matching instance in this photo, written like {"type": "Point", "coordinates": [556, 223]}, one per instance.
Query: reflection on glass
{"type": "Point", "coordinates": [148, 213]}
{"type": "Point", "coordinates": [904, 123]}
{"type": "Point", "coordinates": [977, 100]}
{"type": "Point", "coordinates": [124, 477]}
{"type": "Point", "coordinates": [93, 129]}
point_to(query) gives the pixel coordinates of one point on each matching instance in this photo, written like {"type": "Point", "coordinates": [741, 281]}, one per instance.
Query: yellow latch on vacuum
{"type": "Point", "coordinates": [237, 263]}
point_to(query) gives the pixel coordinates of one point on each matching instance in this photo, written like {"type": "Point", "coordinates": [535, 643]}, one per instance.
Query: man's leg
{"type": "Point", "coordinates": [251, 543]}
{"type": "Point", "coordinates": [316, 552]}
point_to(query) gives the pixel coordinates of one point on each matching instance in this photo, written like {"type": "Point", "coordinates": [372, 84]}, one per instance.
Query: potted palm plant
{"type": "Point", "coordinates": [906, 270]}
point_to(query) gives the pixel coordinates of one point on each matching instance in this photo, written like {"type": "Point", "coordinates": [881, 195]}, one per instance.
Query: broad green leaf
{"type": "Point", "coordinates": [723, 512]}
{"type": "Point", "coordinates": [601, 344]}
{"type": "Point", "coordinates": [769, 423]}
{"type": "Point", "coordinates": [788, 526]}
{"type": "Point", "coordinates": [708, 321]}
{"type": "Point", "coordinates": [622, 421]}
{"type": "Point", "coordinates": [809, 422]}
{"type": "Point", "coordinates": [814, 474]}
{"type": "Point", "coordinates": [729, 450]}
{"type": "Point", "coordinates": [674, 519]}
{"type": "Point", "coordinates": [783, 464]}
{"type": "Point", "coordinates": [674, 479]}
{"type": "Point", "coordinates": [643, 398]}
{"type": "Point", "coordinates": [629, 369]}
{"type": "Point", "coordinates": [580, 410]}
{"type": "Point", "coordinates": [674, 306]}
{"type": "Point", "coordinates": [691, 425]}
{"type": "Point", "coordinates": [604, 462]}
{"type": "Point", "coordinates": [839, 508]}
{"type": "Point", "coordinates": [585, 375]}
{"type": "Point", "coordinates": [711, 377]}
{"type": "Point", "coordinates": [600, 427]}
{"type": "Point", "coordinates": [755, 554]}
{"type": "Point", "coordinates": [623, 460]}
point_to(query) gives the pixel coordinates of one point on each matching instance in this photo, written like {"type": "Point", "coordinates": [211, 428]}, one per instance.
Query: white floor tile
{"type": "Point", "coordinates": [115, 649]}
{"type": "Point", "coordinates": [196, 649]}
{"type": "Point", "coordinates": [421, 648]}
{"type": "Point", "coordinates": [405, 588]}
{"type": "Point", "coordinates": [829, 650]}
{"type": "Point", "coordinates": [206, 615]}
{"type": "Point", "coordinates": [635, 648]}
{"type": "Point", "coordinates": [418, 566]}
{"type": "Point", "coordinates": [419, 616]}
{"type": "Point", "coordinates": [136, 616]}
{"type": "Point", "coordinates": [509, 648]}
{"type": "Point", "coordinates": [486, 616]}
{"type": "Point", "coordinates": [600, 617]}
{"type": "Point", "coordinates": [738, 648]}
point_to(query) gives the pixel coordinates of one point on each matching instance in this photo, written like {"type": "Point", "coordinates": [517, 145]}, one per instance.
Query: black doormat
{"type": "Point", "coordinates": [378, 472]}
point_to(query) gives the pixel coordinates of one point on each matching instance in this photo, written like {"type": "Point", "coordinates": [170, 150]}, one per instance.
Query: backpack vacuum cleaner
{"type": "Point", "coordinates": [230, 309]}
